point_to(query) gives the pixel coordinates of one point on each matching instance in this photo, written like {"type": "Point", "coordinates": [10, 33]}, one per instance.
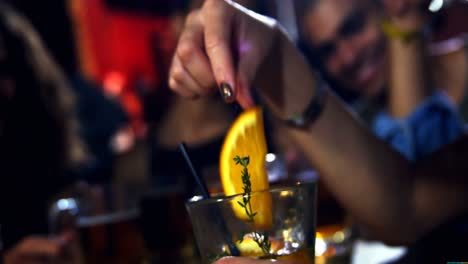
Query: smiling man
{"type": "Point", "coordinates": [347, 39]}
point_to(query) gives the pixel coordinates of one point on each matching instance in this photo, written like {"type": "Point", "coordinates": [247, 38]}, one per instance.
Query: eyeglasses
{"type": "Point", "coordinates": [351, 25]}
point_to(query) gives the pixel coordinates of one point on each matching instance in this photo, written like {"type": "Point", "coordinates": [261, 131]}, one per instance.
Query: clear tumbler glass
{"type": "Point", "coordinates": [287, 231]}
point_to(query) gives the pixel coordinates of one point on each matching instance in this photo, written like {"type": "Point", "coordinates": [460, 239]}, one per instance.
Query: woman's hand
{"type": "Point", "coordinates": [37, 250]}
{"type": "Point", "coordinates": [222, 43]}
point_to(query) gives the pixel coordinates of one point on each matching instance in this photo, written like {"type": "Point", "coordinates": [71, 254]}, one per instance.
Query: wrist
{"type": "Point", "coordinates": [313, 110]}
{"type": "Point", "coordinates": [269, 80]}
{"type": "Point", "coordinates": [285, 84]}
{"type": "Point", "coordinates": [409, 22]}
{"type": "Point", "coordinates": [405, 32]}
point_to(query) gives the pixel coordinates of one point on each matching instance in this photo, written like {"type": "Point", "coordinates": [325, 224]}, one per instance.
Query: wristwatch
{"type": "Point", "coordinates": [313, 110]}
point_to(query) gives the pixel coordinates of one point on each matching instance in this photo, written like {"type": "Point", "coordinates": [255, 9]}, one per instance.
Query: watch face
{"type": "Point", "coordinates": [297, 120]}
{"type": "Point", "coordinates": [312, 110]}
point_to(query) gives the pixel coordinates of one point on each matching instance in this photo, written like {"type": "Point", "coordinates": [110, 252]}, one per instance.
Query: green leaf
{"type": "Point", "coordinates": [241, 236]}
{"type": "Point", "coordinates": [246, 161]}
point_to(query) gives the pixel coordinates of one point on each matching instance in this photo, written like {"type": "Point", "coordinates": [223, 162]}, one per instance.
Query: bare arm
{"type": "Point", "coordinates": [409, 82]}
{"type": "Point", "coordinates": [395, 200]}
{"type": "Point", "coordinates": [409, 76]}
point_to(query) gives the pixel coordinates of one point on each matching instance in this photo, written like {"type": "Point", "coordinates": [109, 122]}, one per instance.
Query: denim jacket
{"type": "Point", "coordinates": [434, 123]}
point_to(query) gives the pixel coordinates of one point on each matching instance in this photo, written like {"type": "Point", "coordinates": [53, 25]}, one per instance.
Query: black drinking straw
{"type": "Point", "coordinates": [206, 195]}
{"type": "Point", "coordinates": [195, 174]}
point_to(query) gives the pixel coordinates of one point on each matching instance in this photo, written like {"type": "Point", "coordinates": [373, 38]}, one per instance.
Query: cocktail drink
{"type": "Point", "coordinates": [251, 219]}
{"type": "Point", "coordinates": [282, 226]}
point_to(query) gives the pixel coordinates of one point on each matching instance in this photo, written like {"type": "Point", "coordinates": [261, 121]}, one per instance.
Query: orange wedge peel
{"type": "Point", "coordinates": [246, 137]}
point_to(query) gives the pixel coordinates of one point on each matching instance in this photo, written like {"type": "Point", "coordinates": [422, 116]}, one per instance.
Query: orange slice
{"type": "Point", "coordinates": [249, 248]}
{"type": "Point", "coordinates": [246, 137]}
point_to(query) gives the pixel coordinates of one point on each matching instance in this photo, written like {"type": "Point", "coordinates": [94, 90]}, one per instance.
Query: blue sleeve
{"type": "Point", "coordinates": [434, 123]}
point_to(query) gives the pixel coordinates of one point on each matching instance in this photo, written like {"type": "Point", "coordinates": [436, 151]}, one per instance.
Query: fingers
{"type": "Point", "coordinates": [234, 260]}
{"type": "Point", "coordinates": [217, 21]}
{"type": "Point", "coordinates": [205, 56]}
{"type": "Point", "coordinates": [244, 97]}
{"type": "Point", "coordinates": [33, 250]}
{"type": "Point", "coordinates": [39, 246]}
{"type": "Point", "coordinates": [191, 73]}
{"type": "Point", "coordinates": [182, 82]}
{"type": "Point", "coordinates": [191, 54]}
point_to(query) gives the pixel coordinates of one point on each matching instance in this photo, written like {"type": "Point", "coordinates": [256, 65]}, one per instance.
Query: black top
{"type": "Point", "coordinates": [444, 244]}
{"type": "Point", "coordinates": [33, 132]}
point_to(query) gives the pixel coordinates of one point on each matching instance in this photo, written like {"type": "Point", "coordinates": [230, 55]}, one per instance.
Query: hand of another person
{"type": "Point", "coordinates": [408, 14]}
{"type": "Point", "coordinates": [222, 43]}
{"type": "Point", "coordinates": [37, 250]}
{"type": "Point", "coordinates": [233, 260]}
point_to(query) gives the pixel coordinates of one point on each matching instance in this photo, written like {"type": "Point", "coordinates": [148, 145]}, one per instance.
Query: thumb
{"type": "Point", "coordinates": [244, 95]}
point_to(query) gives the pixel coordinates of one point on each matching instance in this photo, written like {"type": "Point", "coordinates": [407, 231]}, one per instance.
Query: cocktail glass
{"type": "Point", "coordinates": [289, 230]}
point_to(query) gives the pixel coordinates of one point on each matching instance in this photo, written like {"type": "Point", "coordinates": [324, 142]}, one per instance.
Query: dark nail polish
{"type": "Point", "coordinates": [226, 91]}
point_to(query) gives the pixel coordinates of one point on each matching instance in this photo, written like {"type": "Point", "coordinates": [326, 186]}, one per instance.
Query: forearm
{"type": "Point", "coordinates": [441, 184]}
{"type": "Point", "coordinates": [395, 201]}
{"type": "Point", "coordinates": [409, 78]}
{"type": "Point", "coordinates": [284, 80]}
{"type": "Point", "coordinates": [369, 179]}
{"type": "Point", "coordinates": [364, 173]}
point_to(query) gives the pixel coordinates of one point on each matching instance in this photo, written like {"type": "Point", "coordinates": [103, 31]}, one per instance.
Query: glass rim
{"type": "Point", "coordinates": [198, 200]}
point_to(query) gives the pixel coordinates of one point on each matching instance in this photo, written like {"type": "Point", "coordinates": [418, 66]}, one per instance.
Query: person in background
{"type": "Point", "coordinates": [39, 144]}
{"type": "Point", "coordinates": [401, 203]}
{"type": "Point", "coordinates": [349, 42]}
{"type": "Point", "coordinates": [101, 119]}
{"type": "Point", "coordinates": [449, 54]}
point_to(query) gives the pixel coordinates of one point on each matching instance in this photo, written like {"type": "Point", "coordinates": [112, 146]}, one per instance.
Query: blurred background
{"type": "Point", "coordinates": [115, 55]}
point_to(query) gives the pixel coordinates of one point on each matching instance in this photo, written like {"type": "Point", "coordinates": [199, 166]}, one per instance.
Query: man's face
{"type": "Point", "coordinates": [347, 36]}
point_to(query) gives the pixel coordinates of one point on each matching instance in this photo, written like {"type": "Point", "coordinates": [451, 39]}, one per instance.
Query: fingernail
{"type": "Point", "coordinates": [226, 91]}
